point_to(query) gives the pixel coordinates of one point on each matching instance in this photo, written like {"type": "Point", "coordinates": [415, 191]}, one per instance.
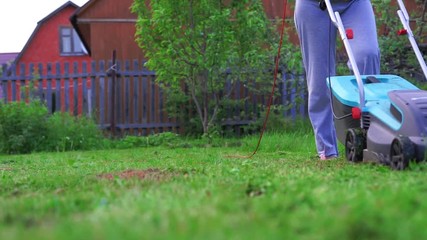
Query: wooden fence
{"type": "Point", "coordinates": [139, 103]}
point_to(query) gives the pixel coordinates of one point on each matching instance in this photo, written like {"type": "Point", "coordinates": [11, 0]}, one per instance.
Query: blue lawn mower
{"type": "Point", "coordinates": [380, 118]}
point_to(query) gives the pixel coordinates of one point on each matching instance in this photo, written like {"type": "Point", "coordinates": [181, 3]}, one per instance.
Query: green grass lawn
{"type": "Point", "coordinates": [283, 192]}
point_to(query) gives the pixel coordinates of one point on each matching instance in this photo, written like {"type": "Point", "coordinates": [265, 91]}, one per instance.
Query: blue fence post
{"type": "Point", "coordinates": [58, 76]}
{"type": "Point", "coordinates": [284, 92]}
{"type": "Point", "coordinates": [14, 80]}
{"type": "Point", "coordinates": [3, 84]}
{"type": "Point", "coordinates": [75, 77]}
{"type": "Point", "coordinates": [136, 87]}
{"type": "Point", "coordinates": [120, 100]}
{"type": "Point", "coordinates": [49, 96]}
{"type": "Point", "coordinates": [246, 97]}
{"type": "Point", "coordinates": [255, 98]}
{"type": "Point", "coordinates": [128, 97]}
{"type": "Point", "coordinates": [56, 92]}
{"type": "Point", "coordinates": [84, 89]}
{"type": "Point", "coordinates": [228, 89]}
{"type": "Point", "coordinates": [92, 105]}
{"type": "Point", "coordinates": [152, 101]}
{"type": "Point", "coordinates": [302, 92]}
{"type": "Point", "coordinates": [57, 87]}
{"type": "Point", "coordinates": [293, 97]}
{"type": "Point", "coordinates": [145, 106]}
{"type": "Point", "coordinates": [67, 86]}
{"type": "Point", "coordinates": [237, 98]}
{"type": "Point", "coordinates": [102, 109]}
{"type": "Point", "coordinates": [128, 94]}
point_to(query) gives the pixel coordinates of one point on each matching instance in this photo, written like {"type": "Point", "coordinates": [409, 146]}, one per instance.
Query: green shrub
{"type": "Point", "coordinates": [278, 123]}
{"type": "Point", "coordinates": [130, 142]}
{"type": "Point", "coordinates": [397, 57]}
{"type": "Point", "coordinates": [28, 127]}
{"type": "Point", "coordinates": [67, 133]}
{"type": "Point", "coordinates": [23, 127]}
{"type": "Point", "coordinates": [165, 138]}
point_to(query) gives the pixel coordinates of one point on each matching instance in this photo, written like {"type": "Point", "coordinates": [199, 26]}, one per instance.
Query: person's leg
{"type": "Point", "coordinates": [361, 19]}
{"type": "Point", "coordinates": [317, 40]}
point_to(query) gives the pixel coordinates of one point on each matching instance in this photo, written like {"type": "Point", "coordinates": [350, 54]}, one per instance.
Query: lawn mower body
{"type": "Point", "coordinates": [394, 119]}
{"type": "Point", "coordinates": [381, 118]}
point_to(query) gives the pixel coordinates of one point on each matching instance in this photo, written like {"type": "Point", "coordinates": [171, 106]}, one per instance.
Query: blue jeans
{"type": "Point", "coordinates": [317, 37]}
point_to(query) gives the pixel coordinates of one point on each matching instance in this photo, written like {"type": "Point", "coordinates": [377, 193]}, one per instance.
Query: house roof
{"type": "Point", "coordinates": [41, 22]}
{"type": "Point", "coordinates": [7, 57]}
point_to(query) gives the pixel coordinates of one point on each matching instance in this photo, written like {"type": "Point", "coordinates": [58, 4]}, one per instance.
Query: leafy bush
{"type": "Point", "coordinates": [67, 133]}
{"type": "Point", "coordinates": [166, 138]}
{"type": "Point", "coordinates": [23, 127]}
{"type": "Point", "coordinates": [397, 56]}
{"type": "Point", "coordinates": [278, 123]}
{"type": "Point", "coordinates": [28, 127]}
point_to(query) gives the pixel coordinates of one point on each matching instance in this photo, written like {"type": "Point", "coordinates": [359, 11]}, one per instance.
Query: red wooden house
{"type": "Point", "coordinates": [53, 41]}
{"type": "Point", "coordinates": [107, 25]}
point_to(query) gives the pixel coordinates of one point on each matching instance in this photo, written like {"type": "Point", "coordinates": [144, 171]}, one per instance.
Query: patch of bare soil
{"type": "Point", "coordinates": [144, 174]}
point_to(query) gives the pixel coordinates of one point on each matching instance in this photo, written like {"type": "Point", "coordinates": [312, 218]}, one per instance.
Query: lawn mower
{"type": "Point", "coordinates": [379, 118]}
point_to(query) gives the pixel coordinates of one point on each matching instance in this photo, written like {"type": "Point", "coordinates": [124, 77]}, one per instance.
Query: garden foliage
{"type": "Point", "coordinates": [28, 127]}
{"type": "Point", "coordinates": [206, 46]}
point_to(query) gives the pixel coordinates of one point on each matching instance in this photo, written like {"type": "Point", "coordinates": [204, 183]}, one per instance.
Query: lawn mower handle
{"type": "Point", "coordinates": [404, 18]}
{"type": "Point", "coordinates": [336, 20]}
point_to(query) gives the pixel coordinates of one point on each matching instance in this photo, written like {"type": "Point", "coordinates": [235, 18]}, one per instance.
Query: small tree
{"type": "Point", "coordinates": [204, 44]}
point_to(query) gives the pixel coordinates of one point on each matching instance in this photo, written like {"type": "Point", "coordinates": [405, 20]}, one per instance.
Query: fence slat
{"type": "Point", "coordinates": [3, 88]}
{"type": "Point", "coordinates": [84, 90]}
{"type": "Point", "coordinates": [59, 88]}
{"type": "Point", "coordinates": [75, 101]}
{"type": "Point", "coordinates": [127, 97]}
{"type": "Point", "coordinates": [92, 94]}
{"type": "Point", "coordinates": [49, 90]}
{"type": "Point", "coordinates": [67, 87]}
{"type": "Point", "coordinates": [120, 97]}
{"type": "Point", "coordinates": [145, 99]}
{"type": "Point", "coordinates": [102, 90]}
{"type": "Point", "coordinates": [152, 101]}
{"type": "Point", "coordinates": [135, 94]}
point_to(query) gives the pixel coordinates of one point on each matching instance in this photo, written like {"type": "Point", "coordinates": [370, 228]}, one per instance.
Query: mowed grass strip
{"type": "Point", "coordinates": [170, 192]}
